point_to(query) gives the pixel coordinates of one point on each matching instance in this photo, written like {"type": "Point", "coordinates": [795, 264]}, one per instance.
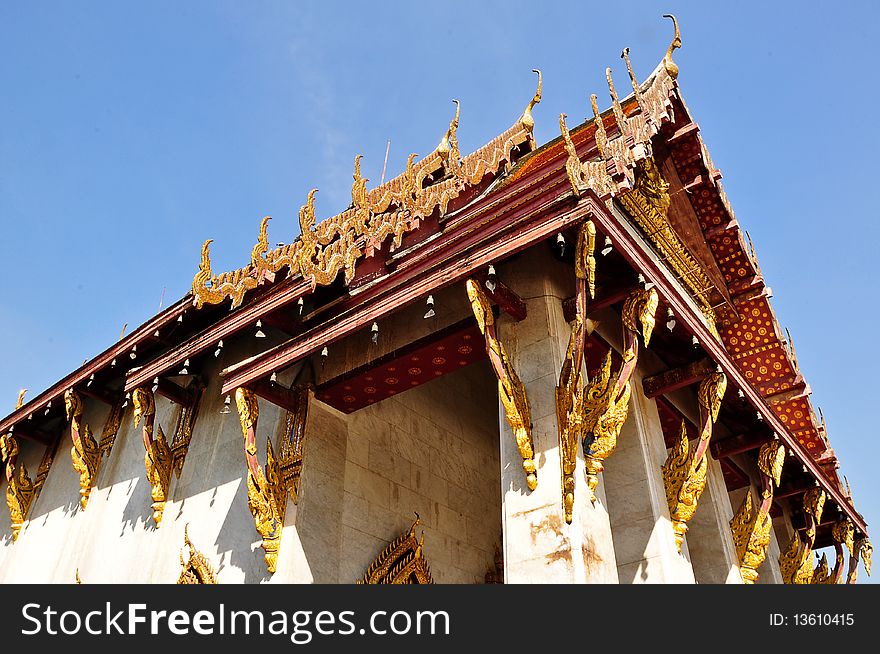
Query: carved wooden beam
{"type": "Point", "coordinates": [33, 434]}
{"type": "Point", "coordinates": [734, 476]}
{"type": "Point", "coordinates": [677, 378]}
{"type": "Point", "coordinates": [99, 394]}
{"type": "Point", "coordinates": [603, 302]}
{"type": "Point", "coordinates": [795, 489]}
{"type": "Point", "coordinates": [285, 321]}
{"type": "Point", "coordinates": [738, 444]}
{"type": "Point", "coordinates": [502, 295]}
{"type": "Point", "coordinates": [286, 398]}
{"type": "Point", "coordinates": [716, 230]}
{"type": "Point", "coordinates": [174, 392]}
{"type": "Point", "coordinates": [752, 293]}
{"type": "Point", "coordinates": [799, 390]}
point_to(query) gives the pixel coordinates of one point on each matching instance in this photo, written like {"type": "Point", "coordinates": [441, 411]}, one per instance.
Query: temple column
{"type": "Point", "coordinates": [644, 542]}
{"type": "Point", "coordinates": [539, 547]}
{"type": "Point", "coordinates": [709, 540]}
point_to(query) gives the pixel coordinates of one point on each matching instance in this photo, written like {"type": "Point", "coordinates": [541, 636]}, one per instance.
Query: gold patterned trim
{"type": "Point", "coordinates": [195, 569]}
{"type": "Point", "coordinates": [402, 562]}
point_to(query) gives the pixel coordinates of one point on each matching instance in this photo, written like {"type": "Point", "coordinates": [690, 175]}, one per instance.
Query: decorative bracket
{"type": "Point", "coordinates": [751, 531]}
{"type": "Point", "coordinates": [684, 473]}
{"type": "Point", "coordinates": [606, 402]}
{"type": "Point", "coordinates": [162, 458]}
{"type": "Point", "coordinates": [843, 533]}
{"type": "Point", "coordinates": [821, 575]}
{"type": "Point", "coordinates": [863, 550]}
{"type": "Point", "coordinates": [510, 388]}
{"type": "Point", "coordinates": [85, 453]}
{"type": "Point", "coordinates": [795, 563]}
{"type": "Point", "coordinates": [569, 391]}
{"type": "Point", "coordinates": [267, 492]}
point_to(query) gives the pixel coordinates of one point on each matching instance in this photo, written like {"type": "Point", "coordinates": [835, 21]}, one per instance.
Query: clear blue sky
{"type": "Point", "coordinates": [131, 133]}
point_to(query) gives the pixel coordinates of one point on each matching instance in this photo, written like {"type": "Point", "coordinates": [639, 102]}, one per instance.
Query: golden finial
{"type": "Point", "coordinates": [671, 66]}
{"type": "Point", "coordinates": [205, 264]}
{"type": "Point", "coordinates": [359, 187]}
{"type": "Point", "coordinates": [615, 102]}
{"type": "Point", "coordinates": [563, 128]}
{"type": "Point", "coordinates": [447, 143]}
{"type": "Point", "coordinates": [601, 136]}
{"type": "Point", "coordinates": [527, 121]}
{"type": "Point", "coordinates": [262, 245]}
{"type": "Point", "coordinates": [307, 213]}
{"type": "Point", "coordinates": [632, 77]}
{"type": "Point", "coordinates": [122, 333]}
{"type": "Point", "coordinates": [20, 398]}
{"type": "Point", "coordinates": [76, 576]}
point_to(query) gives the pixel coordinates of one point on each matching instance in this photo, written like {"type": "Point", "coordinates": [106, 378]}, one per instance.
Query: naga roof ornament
{"type": "Point", "coordinates": [398, 206]}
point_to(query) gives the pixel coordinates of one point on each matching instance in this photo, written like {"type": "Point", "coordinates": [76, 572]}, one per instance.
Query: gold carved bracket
{"type": "Point", "coordinates": [685, 470]}
{"type": "Point", "coordinates": [843, 533]}
{"type": "Point", "coordinates": [606, 400]}
{"type": "Point", "coordinates": [85, 453]}
{"type": "Point", "coordinates": [795, 562]}
{"type": "Point", "coordinates": [751, 529]}
{"type": "Point", "coordinates": [570, 402]}
{"type": "Point", "coordinates": [863, 550]}
{"type": "Point", "coordinates": [269, 488]}
{"type": "Point", "coordinates": [510, 389]}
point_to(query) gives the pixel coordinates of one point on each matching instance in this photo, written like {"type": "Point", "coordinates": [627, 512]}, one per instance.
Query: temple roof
{"type": "Point", "coordinates": [608, 156]}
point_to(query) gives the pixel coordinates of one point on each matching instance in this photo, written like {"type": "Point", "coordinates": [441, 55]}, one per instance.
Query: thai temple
{"type": "Point", "coordinates": [551, 363]}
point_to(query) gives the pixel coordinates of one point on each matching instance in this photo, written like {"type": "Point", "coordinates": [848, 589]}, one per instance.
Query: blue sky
{"type": "Point", "coordinates": [130, 133]}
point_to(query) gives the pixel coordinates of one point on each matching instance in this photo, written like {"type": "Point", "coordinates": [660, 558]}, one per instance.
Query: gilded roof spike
{"type": "Point", "coordinates": [635, 83]}
{"type": "Point", "coordinates": [526, 120]}
{"type": "Point", "coordinates": [448, 144]}
{"type": "Point", "coordinates": [601, 135]}
{"type": "Point", "coordinates": [671, 66]}
{"type": "Point", "coordinates": [359, 187]}
{"type": "Point", "coordinates": [791, 350]}
{"type": "Point", "coordinates": [20, 398]}
{"type": "Point", "coordinates": [615, 102]}
{"type": "Point", "coordinates": [262, 245]}
{"type": "Point", "coordinates": [572, 164]}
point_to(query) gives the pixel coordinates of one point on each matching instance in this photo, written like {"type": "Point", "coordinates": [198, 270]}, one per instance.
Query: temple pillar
{"type": "Point", "coordinates": [709, 539]}
{"type": "Point", "coordinates": [644, 543]}
{"type": "Point", "coordinates": [539, 547]}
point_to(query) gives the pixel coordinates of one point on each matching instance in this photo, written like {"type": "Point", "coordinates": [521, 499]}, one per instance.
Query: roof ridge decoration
{"type": "Point", "coordinates": [626, 169]}
{"type": "Point", "coordinates": [395, 208]}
